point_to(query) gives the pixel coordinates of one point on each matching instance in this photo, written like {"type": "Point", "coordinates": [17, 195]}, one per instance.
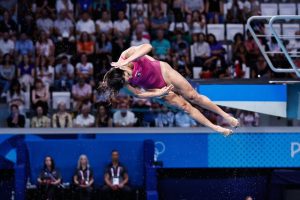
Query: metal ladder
{"type": "Point", "coordinates": [270, 22]}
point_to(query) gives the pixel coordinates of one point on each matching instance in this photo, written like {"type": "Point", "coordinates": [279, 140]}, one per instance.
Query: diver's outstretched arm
{"type": "Point", "coordinates": [131, 54]}
{"type": "Point", "coordinates": [150, 94]}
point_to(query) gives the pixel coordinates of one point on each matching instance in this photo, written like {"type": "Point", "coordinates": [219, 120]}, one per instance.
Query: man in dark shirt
{"type": "Point", "coordinates": [15, 119]}
{"type": "Point", "coordinates": [116, 180]}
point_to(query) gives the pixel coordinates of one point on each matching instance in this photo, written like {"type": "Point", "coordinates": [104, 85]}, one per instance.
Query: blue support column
{"type": "Point", "coordinates": [20, 170]}
{"type": "Point", "coordinates": [150, 171]}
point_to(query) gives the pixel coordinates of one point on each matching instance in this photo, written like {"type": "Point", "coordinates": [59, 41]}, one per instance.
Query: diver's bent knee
{"type": "Point", "coordinates": [186, 107]}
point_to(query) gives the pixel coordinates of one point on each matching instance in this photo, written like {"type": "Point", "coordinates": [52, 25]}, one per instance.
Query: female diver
{"type": "Point", "coordinates": [135, 70]}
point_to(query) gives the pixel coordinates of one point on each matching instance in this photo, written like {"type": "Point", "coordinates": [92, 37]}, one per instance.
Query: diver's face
{"type": "Point", "coordinates": [127, 75]}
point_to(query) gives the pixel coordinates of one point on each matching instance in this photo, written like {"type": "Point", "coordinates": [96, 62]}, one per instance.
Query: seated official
{"type": "Point", "coordinates": [83, 179]}
{"type": "Point", "coordinates": [49, 180]}
{"type": "Point", "coordinates": [116, 180]}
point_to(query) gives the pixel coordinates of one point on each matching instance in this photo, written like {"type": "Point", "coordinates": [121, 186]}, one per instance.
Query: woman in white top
{"type": "Point", "coordinates": [197, 22]}
{"type": "Point", "coordinates": [104, 25]}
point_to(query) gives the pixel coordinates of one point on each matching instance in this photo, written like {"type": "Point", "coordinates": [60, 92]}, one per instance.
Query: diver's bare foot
{"type": "Point", "coordinates": [233, 122]}
{"type": "Point", "coordinates": [224, 131]}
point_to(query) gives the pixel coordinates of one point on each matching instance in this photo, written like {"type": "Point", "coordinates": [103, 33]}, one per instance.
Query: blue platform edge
{"type": "Point", "coordinates": [272, 93]}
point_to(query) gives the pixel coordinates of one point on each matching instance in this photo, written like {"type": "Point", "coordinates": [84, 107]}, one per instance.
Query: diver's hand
{"type": "Point", "coordinates": [165, 90]}
{"type": "Point", "coordinates": [120, 64]}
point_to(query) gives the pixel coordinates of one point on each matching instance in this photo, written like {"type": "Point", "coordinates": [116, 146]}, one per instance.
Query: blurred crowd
{"type": "Point", "coordinates": [68, 45]}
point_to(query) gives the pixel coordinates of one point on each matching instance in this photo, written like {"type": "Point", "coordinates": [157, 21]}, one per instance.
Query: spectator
{"type": "Point", "coordinates": [123, 117]}
{"type": "Point", "coordinates": [49, 179]}
{"type": "Point", "coordinates": [24, 8]}
{"type": "Point", "coordinates": [117, 6]}
{"type": "Point", "coordinates": [116, 179]}
{"type": "Point", "coordinates": [40, 120]}
{"type": "Point", "coordinates": [45, 72]}
{"type": "Point", "coordinates": [139, 8]}
{"type": "Point", "coordinates": [104, 25]}
{"type": "Point", "coordinates": [251, 8]}
{"type": "Point", "coordinates": [238, 48]}
{"type": "Point", "coordinates": [140, 107]}
{"type": "Point", "coordinates": [103, 118]}
{"type": "Point", "coordinates": [28, 25]}
{"type": "Point", "coordinates": [82, 93]}
{"type": "Point", "coordinates": [200, 50]}
{"type": "Point", "coordinates": [15, 119]}
{"type": "Point", "coordinates": [248, 118]}
{"type": "Point", "coordinates": [180, 64]}
{"type": "Point", "coordinates": [7, 24]}
{"type": "Point", "coordinates": [180, 47]}
{"type": "Point", "coordinates": [139, 39]}
{"type": "Point", "coordinates": [85, 119]}
{"type": "Point", "coordinates": [85, 24]}
{"type": "Point", "coordinates": [64, 75]}
{"type": "Point", "coordinates": [85, 44]}
{"type": "Point", "coordinates": [84, 178]}
{"type": "Point", "coordinates": [121, 26]}
{"type": "Point", "coordinates": [182, 119]}
{"type": "Point", "coordinates": [216, 50]}
{"type": "Point", "coordinates": [10, 7]}
{"type": "Point", "coordinates": [294, 44]}
{"type": "Point", "coordinates": [45, 23]}
{"type": "Point", "coordinates": [158, 22]}
{"type": "Point", "coordinates": [15, 95]}
{"type": "Point", "coordinates": [196, 22]}
{"type": "Point", "coordinates": [7, 45]}
{"type": "Point", "coordinates": [85, 69]}
{"type": "Point", "coordinates": [140, 20]}
{"type": "Point", "coordinates": [161, 47]}
{"type": "Point", "coordinates": [194, 5]}
{"type": "Point", "coordinates": [261, 69]}
{"type": "Point", "coordinates": [103, 46]}
{"type": "Point", "coordinates": [235, 12]}
{"type": "Point", "coordinates": [45, 47]}
{"type": "Point", "coordinates": [26, 73]}
{"type": "Point", "coordinates": [118, 46]}
{"type": "Point", "coordinates": [158, 4]}
{"type": "Point", "coordinates": [24, 46]}
{"type": "Point", "coordinates": [46, 5]}
{"type": "Point", "coordinates": [215, 11]}
{"type": "Point", "coordinates": [40, 96]}
{"type": "Point", "coordinates": [252, 50]}
{"type": "Point", "coordinates": [101, 6]}
{"type": "Point", "coordinates": [165, 118]}
{"type": "Point", "coordinates": [64, 27]}
{"type": "Point", "coordinates": [178, 6]}
{"type": "Point", "coordinates": [65, 6]}
{"type": "Point", "coordinates": [179, 25]}
{"type": "Point", "coordinates": [7, 74]}
{"type": "Point", "coordinates": [62, 119]}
